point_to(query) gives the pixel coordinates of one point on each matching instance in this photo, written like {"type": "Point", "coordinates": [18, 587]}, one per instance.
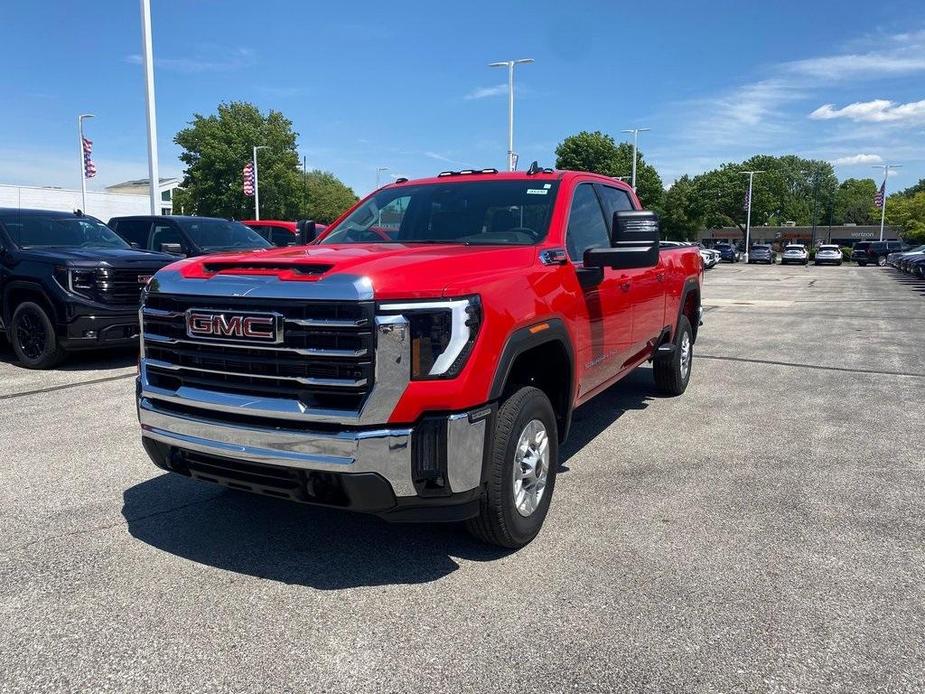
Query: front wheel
{"type": "Point", "coordinates": [881, 262]}
{"type": "Point", "coordinates": [33, 337]}
{"type": "Point", "coordinates": [673, 372]}
{"type": "Point", "coordinates": [521, 471]}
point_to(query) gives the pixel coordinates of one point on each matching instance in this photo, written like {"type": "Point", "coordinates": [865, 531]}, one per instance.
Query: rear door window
{"type": "Point", "coordinates": [135, 231]}
{"type": "Point", "coordinates": [614, 200]}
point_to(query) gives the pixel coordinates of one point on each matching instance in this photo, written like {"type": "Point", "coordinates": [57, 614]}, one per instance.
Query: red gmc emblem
{"type": "Point", "coordinates": [256, 327]}
{"type": "Point", "coordinates": [144, 279]}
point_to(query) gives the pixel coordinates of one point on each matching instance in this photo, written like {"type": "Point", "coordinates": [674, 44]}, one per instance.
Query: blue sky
{"type": "Point", "coordinates": [406, 85]}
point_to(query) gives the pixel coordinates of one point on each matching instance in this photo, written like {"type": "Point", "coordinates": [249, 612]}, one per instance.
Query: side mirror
{"type": "Point", "coordinates": [134, 244]}
{"type": "Point", "coordinates": [172, 248]}
{"type": "Point", "coordinates": [634, 242]}
{"type": "Point", "coordinates": [307, 229]}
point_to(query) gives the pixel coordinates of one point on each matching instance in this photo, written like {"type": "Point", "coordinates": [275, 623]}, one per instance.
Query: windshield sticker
{"type": "Point", "coordinates": [548, 186]}
{"type": "Point", "coordinates": [537, 191]}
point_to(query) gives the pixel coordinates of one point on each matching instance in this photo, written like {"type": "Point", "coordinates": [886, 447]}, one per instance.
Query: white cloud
{"type": "Point", "coordinates": [856, 159]}
{"type": "Point", "coordinates": [227, 60]}
{"type": "Point", "coordinates": [899, 54]}
{"type": "Point", "coordinates": [876, 111]}
{"type": "Point", "coordinates": [486, 92]}
{"type": "Point", "coordinates": [440, 157]}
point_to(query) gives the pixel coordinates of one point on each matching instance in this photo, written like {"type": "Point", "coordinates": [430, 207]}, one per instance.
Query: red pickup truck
{"type": "Point", "coordinates": [422, 359]}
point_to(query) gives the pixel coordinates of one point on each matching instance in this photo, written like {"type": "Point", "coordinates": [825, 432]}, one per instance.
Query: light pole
{"type": "Point", "coordinates": [886, 174]}
{"type": "Point", "coordinates": [257, 183]}
{"type": "Point", "coordinates": [83, 170]}
{"type": "Point", "coordinates": [635, 132]}
{"type": "Point", "coordinates": [379, 172]}
{"type": "Point", "coordinates": [509, 64]}
{"type": "Point", "coordinates": [147, 53]}
{"type": "Point", "coordinates": [748, 216]}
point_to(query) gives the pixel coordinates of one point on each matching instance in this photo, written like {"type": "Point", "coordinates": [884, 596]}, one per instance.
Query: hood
{"type": "Point", "coordinates": [116, 257]}
{"type": "Point", "coordinates": [395, 270]}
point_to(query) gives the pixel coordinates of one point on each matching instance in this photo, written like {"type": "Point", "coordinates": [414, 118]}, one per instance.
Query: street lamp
{"type": "Point", "coordinates": [635, 132]}
{"type": "Point", "coordinates": [748, 219]}
{"type": "Point", "coordinates": [509, 64]}
{"type": "Point", "coordinates": [83, 170]}
{"type": "Point", "coordinates": [815, 178]}
{"type": "Point", "coordinates": [886, 174]}
{"type": "Point", "coordinates": [257, 182]}
{"type": "Point", "coordinates": [147, 53]}
{"type": "Point", "coordinates": [379, 171]}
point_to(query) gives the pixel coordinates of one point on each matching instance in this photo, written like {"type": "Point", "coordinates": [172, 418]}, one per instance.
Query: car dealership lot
{"type": "Point", "coordinates": [763, 532]}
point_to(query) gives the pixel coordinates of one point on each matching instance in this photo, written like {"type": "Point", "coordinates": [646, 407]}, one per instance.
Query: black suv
{"type": "Point", "coordinates": [187, 236]}
{"type": "Point", "coordinates": [67, 282]}
{"type": "Point", "coordinates": [874, 252]}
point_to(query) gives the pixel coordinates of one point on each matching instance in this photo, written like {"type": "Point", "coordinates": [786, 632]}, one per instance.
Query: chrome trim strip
{"type": "Point", "coordinates": [333, 382]}
{"type": "Point", "coordinates": [327, 323]}
{"type": "Point", "coordinates": [304, 351]}
{"type": "Point", "coordinates": [160, 313]}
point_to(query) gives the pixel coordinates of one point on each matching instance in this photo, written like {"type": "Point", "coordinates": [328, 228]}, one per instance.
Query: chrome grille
{"type": "Point", "coordinates": [122, 286]}
{"type": "Point", "coordinates": [325, 359]}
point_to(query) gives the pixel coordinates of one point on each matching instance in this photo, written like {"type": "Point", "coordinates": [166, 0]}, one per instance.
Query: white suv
{"type": "Point", "coordinates": [795, 253]}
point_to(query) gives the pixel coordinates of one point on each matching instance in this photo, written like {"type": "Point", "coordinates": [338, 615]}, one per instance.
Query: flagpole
{"type": "Point", "coordinates": [748, 218]}
{"type": "Point", "coordinates": [256, 189]}
{"type": "Point", "coordinates": [154, 180]}
{"type": "Point", "coordinates": [886, 174]}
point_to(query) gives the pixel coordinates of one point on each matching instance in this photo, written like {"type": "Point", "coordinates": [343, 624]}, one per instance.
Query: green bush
{"type": "Point", "coordinates": [846, 253]}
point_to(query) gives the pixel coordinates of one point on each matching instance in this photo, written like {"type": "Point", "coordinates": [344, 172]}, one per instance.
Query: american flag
{"type": "Point", "coordinates": [89, 166]}
{"type": "Point", "coordinates": [747, 201]}
{"type": "Point", "coordinates": [249, 179]}
{"type": "Point", "coordinates": [878, 198]}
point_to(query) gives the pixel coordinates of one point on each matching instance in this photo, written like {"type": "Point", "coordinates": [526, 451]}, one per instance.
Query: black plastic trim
{"type": "Point", "coordinates": [523, 340]}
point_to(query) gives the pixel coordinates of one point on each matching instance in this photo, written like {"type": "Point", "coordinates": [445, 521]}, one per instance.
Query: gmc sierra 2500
{"type": "Point", "coordinates": [421, 360]}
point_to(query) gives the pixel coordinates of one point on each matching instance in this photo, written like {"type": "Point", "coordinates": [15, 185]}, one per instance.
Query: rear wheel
{"type": "Point", "coordinates": [33, 337]}
{"type": "Point", "coordinates": [521, 471]}
{"type": "Point", "coordinates": [881, 261]}
{"type": "Point", "coordinates": [673, 372]}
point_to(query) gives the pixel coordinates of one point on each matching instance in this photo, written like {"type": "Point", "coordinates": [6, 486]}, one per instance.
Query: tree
{"type": "Point", "coordinates": [908, 212]}
{"type": "Point", "coordinates": [789, 188]}
{"type": "Point", "coordinates": [327, 197]}
{"type": "Point", "coordinates": [215, 150]}
{"type": "Point", "coordinates": [912, 190]}
{"type": "Point", "coordinates": [854, 202]}
{"type": "Point", "coordinates": [599, 153]}
{"type": "Point", "coordinates": [679, 221]}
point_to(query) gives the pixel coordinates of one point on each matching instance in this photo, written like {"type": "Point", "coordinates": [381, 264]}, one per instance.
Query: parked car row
{"type": "Point", "coordinates": [911, 261]}
{"type": "Point", "coordinates": [875, 252]}
{"type": "Point", "coordinates": [68, 282]}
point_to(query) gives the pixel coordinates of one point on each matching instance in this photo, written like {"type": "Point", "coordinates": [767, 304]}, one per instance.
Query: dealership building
{"type": "Point", "coordinates": [128, 198]}
{"type": "Point", "coordinates": [843, 235]}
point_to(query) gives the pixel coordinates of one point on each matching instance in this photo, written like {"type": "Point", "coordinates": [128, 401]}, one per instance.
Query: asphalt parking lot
{"type": "Point", "coordinates": [763, 532]}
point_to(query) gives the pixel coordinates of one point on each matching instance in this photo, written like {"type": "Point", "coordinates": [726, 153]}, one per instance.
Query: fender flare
{"type": "Point", "coordinates": [31, 286]}
{"type": "Point", "coordinates": [690, 285]}
{"type": "Point", "coordinates": [522, 340]}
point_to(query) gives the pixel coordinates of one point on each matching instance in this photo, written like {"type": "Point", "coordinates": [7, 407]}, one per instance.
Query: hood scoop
{"type": "Point", "coordinates": [265, 267]}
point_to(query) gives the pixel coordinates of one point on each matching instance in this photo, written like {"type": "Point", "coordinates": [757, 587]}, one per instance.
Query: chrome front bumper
{"type": "Point", "coordinates": [386, 451]}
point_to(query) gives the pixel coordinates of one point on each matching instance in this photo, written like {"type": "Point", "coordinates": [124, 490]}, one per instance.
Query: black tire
{"type": "Point", "coordinates": [33, 337]}
{"type": "Point", "coordinates": [881, 261]}
{"type": "Point", "coordinates": [670, 377]}
{"type": "Point", "coordinates": [499, 522]}
{"type": "Point", "coordinates": [862, 264]}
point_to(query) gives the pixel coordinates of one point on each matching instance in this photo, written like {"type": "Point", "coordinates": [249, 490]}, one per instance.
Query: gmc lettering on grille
{"type": "Point", "coordinates": [225, 326]}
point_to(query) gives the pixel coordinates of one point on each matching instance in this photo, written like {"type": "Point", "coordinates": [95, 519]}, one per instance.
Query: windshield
{"type": "Point", "coordinates": [220, 234]}
{"type": "Point", "coordinates": [500, 212]}
{"type": "Point", "coordinates": [34, 231]}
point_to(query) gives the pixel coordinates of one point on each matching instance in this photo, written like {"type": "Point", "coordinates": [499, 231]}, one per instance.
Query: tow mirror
{"type": "Point", "coordinates": [307, 230]}
{"type": "Point", "coordinates": [634, 242]}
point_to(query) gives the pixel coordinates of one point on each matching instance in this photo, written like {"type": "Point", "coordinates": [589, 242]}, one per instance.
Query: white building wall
{"type": "Point", "coordinates": [100, 205]}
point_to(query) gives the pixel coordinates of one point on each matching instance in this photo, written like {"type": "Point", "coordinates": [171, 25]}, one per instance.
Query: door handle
{"type": "Point", "coordinates": [625, 286]}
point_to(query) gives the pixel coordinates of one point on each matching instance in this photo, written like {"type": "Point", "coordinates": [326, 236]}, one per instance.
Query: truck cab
{"type": "Point", "coordinates": [420, 360]}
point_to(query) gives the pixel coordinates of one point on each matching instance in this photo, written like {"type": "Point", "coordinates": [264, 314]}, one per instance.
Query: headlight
{"type": "Point", "coordinates": [442, 334]}
{"type": "Point", "coordinates": [80, 281]}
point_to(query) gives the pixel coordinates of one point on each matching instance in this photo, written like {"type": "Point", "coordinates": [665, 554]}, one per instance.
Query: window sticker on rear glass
{"type": "Point", "coordinates": [537, 191]}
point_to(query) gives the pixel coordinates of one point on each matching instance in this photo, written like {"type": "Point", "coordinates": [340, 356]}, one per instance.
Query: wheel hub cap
{"type": "Point", "coordinates": [531, 467]}
{"type": "Point", "coordinates": [685, 355]}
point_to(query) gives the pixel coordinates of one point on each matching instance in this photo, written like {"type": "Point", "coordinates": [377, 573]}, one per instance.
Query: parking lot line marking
{"type": "Point", "coordinates": [51, 389]}
{"type": "Point", "coordinates": [813, 366]}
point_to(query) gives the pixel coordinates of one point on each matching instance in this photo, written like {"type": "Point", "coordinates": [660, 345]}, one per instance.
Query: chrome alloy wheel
{"type": "Point", "coordinates": [685, 355]}
{"type": "Point", "coordinates": [531, 467]}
